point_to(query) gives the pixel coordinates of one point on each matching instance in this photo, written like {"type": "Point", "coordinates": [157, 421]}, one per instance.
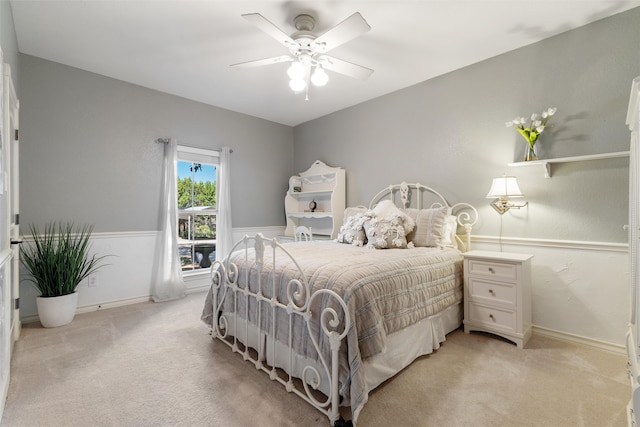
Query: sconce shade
{"type": "Point", "coordinates": [506, 186]}
{"type": "Point", "coordinates": [501, 190]}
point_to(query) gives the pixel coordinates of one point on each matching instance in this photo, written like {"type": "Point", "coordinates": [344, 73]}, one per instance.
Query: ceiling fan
{"type": "Point", "coordinates": [307, 51]}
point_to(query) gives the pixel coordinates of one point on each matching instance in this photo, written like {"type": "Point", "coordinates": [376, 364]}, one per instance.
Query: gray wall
{"type": "Point", "coordinates": [87, 150]}
{"type": "Point", "coordinates": [449, 132]}
{"type": "Point", "coordinates": [9, 43]}
{"type": "Point", "coordinates": [87, 153]}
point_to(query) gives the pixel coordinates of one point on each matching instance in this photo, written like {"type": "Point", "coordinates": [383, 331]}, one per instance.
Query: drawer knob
{"type": "Point", "coordinates": [491, 270]}
{"type": "Point", "coordinates": [491, 292]}
{"type": "Point", "coordinates": [491, 317]}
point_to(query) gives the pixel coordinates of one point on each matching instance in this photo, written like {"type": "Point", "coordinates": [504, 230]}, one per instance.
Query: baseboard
{"type": "Point", "coordinates": [576, 339]}
{"type": "Point", "coordinates": [198, 289]}
{"type": "Point", "coordinates": [111, 304]}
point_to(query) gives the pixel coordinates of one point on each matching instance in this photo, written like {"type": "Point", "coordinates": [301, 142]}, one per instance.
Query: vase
{"type": "Point", "coordinates": [530, 152]}
{"type": "Point", "coordinates": [57, 311]}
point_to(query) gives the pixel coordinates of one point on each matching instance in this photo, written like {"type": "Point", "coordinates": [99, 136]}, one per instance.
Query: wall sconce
{"type": "Point", "coordinates": [502, 189]}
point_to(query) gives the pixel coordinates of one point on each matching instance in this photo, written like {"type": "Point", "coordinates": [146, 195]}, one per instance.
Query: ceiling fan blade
{"type": "Point", "coordinates": [261, 62]}
{"type": "Point", "coordinates": [343, 67]}
{"type": "Point", "coordinates": [349, 29]}
{"type": "Point", "coordinates": [268, 27]}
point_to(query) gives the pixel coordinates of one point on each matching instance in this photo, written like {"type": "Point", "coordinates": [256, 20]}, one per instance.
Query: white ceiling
{"type": "Point", "coordinates": [185, 47]}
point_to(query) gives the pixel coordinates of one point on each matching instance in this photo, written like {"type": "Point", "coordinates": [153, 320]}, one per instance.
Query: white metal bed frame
{"type": "Point", "coordinates": [466, 214]}
{"type": "Point", "coordinates": [335, 322]}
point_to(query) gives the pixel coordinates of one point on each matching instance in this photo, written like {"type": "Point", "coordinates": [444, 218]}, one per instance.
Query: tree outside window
{"type": "Point", "coordinates": [196, 214]}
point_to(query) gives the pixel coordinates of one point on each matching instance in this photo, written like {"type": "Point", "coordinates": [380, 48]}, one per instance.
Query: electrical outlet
{"type": "Point", "coordinates": [93, 281]}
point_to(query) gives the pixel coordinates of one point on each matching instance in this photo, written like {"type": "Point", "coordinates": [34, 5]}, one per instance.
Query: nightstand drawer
{"type": "Point", "coordinates": [493, 292]}
{"type": "Point", "coordinates": [493, 317]}
{"type": "Point", "coordinates": [495, 270]}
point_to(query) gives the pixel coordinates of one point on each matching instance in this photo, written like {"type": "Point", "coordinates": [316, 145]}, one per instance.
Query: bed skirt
{"type": "Point", "coordinates": [402, 348]}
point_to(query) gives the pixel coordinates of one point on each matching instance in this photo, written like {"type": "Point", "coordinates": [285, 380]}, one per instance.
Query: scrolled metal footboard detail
{"type": "Point", "coordinates": [257, 313]}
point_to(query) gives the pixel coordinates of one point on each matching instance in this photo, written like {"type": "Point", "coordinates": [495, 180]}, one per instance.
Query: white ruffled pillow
{"type": "Point", "coordinates": [352, 229]}
{"type": "Point", "coordinates": [387, 209]}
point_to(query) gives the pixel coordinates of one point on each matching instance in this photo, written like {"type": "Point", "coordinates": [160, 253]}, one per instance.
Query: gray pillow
{"type": "Point", "coordinates": [386, 233]}
{"type": "Point", "coordinates": [387, 209]}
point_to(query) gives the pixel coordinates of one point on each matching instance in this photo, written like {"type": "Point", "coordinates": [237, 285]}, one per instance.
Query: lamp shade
{"type": "Point", "coordinates": [506, 186]}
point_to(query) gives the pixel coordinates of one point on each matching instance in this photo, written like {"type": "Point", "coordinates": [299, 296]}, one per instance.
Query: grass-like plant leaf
{"type": "Point", "coordinates": [58, 260]}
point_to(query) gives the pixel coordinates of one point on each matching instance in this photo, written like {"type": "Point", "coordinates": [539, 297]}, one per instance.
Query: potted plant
{"type": "Point", "coordinates": [57, 261]}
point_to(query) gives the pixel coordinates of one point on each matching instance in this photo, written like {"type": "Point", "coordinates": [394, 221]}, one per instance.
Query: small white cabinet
{"type": "Point", "coordinates": [497, 294]}
{"type": "Point", "coordinates": [316, 199]}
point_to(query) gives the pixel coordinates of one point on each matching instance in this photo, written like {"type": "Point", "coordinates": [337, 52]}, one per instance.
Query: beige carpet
{"type": "Point", "coordinates": [155, 365]}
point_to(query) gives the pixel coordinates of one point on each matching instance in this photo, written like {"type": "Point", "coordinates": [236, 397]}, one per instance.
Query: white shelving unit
{"type": "Point", "coordinates": [546, 163]}
{"type": "Point", "coordinates": [323, 186]}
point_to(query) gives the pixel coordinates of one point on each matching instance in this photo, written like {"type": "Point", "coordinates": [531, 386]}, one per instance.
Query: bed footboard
{"type": "Point", "coordinates": [261, 316]}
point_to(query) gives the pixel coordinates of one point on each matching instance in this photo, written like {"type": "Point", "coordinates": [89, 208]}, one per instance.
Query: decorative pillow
{"type": "Point", "coordinates": [352, 229]}
{"type": "Point", "coordinates": [384, 233]}
{"type": "Point", "coordinates": [430, 226]}
{"type": "Point", "coordinates": [449, 233]}
{"type": "Point", "coordinates": [387, 209]}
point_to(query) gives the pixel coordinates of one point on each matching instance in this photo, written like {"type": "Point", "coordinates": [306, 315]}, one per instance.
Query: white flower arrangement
{"type": "Point", "coordinates": [537, 125]}
{"type": "Point", "coordinates": [530, 133]}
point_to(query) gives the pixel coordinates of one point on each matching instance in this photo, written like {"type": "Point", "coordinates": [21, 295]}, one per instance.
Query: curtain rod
{"type": "Point", "coordinates": [166, 141]}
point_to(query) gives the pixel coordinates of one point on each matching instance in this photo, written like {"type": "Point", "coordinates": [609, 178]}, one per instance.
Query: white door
{"type": "Point", "coordinates": [12, 175]}
{"type": "Point", "coordinates": [9, 228]}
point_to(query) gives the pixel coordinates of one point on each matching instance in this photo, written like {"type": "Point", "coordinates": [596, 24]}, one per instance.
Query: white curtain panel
{"type": "Point", "coordinates": [224, 238]}
{"type": "Point", "coordinates": [168, 283]}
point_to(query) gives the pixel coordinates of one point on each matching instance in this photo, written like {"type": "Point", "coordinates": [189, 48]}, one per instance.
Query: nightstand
{"type": "Point", "coordinates": [497, 294]}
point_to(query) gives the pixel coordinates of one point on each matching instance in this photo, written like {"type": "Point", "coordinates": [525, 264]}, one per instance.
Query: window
{"type": "Point", "coordinates": [197, 208]}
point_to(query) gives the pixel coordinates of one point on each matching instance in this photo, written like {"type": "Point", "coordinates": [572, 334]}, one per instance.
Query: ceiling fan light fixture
{"type": "Point", "coordinates": [319, 77]}
{"type": "Point", "coordinates": [307, 50]}
{"type": "Point", "coordinates": [297, 85]}
{"type": "Point", "coordinates": [296, 71]}
{"type": "Point", "coordinates": [305, 59]}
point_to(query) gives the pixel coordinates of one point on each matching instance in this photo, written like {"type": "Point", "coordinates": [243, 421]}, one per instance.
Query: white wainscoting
{"type": "Point", "coordinates": [126, 279]}
{"type": "Point", "coordinates": [580, 289]}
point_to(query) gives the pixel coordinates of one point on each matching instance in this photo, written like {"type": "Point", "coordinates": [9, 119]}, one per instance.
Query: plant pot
{"type": "Point", "coordinates": [57, 311]}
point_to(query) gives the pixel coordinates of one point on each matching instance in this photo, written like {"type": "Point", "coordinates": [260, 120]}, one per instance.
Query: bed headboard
{"type": "Point", "coordinates": [407, 195]}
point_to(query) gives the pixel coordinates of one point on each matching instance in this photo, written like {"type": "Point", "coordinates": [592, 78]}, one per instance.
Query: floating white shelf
{"type": "Point", "coordinates": [311, 193]}
{"type": "Point", "coordinates": [547, 162]}
{"type": "Point", "coordinates": [310, 215]}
